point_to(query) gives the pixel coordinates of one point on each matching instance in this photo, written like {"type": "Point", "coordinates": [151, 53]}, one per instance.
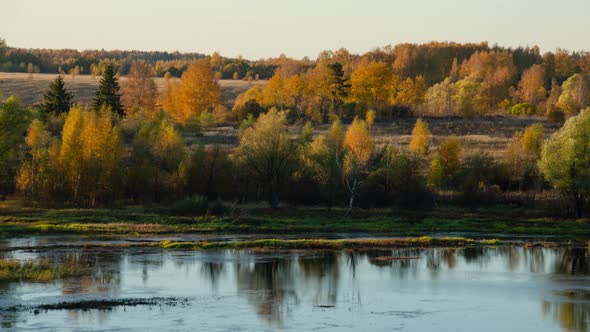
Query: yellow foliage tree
{"type": "Point", "coordinates": [449, 155]}
{"type": "Point", "coordinates": [372, 85]}
{"type": "Point", "coordinates": [90, 155]}
{"type": "Point", "coordinates": [196, 92]}
{"type": "Point", "coordinates": [360, 146]}
{"type": "Point", "coordinates": [420, 138]}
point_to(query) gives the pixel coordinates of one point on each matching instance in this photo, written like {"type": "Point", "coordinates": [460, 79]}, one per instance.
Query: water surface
{"type": "Point", "coordinates": [483, 289]}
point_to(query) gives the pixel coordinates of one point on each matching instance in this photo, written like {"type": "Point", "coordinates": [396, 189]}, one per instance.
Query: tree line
{"type": "Point", "coordinates": [436, 79]}
{"type": "Point", "coordinates": [128, 146]}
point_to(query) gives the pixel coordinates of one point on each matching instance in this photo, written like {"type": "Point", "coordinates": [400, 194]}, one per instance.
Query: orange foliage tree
{"type": "Point", "coordinates": [195, 93]}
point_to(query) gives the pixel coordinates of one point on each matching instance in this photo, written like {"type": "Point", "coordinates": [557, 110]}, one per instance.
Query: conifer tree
{"type": "Point", "coordinates": [108, 92]}
{"type": "Point", "coordinates": [338, 84]}
{"type": "Point", "coordinates": [57, 99]}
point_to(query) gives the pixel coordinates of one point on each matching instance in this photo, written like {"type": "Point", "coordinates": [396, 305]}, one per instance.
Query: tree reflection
{"type": "Point", "coordinates": [212, 272]}
{"type": "Point", "coordinates": [104, 274]}
{"type": "Point", "coordinates": [322, 275]}
{"type": "Point", "coordinates": [269, 286]}
{"type": "Point", "coordinates": [572, 316]}
{"type": "Point", "coordinates": [573, 261]}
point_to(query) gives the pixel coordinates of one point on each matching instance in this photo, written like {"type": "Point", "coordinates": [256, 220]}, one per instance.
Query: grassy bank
{"type": "Point", "coordinates": [36, 270]}
{"type": "Point", "coordinates": [423, 241]}
{"type": "Point", "coordinates": [16, 220]}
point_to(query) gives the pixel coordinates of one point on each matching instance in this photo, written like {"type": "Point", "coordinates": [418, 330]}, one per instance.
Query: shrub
{"type": "Point", "coordinates": [218, 208]}
{"type": "Point", "coordinates": [397, 182]}
{"type": "Point", "coordinates": [555, 115]}
{"type": "Point", "coordinates": [478, 181]}
{"type": "Point", "coordinates": [523, 109]}
{"type": "Point", "coordinates": [192, 205]}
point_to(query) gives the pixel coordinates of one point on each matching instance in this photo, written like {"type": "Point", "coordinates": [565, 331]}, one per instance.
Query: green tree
{"type": "Point", "coordinates": [157, 161]}
{"type": "Point", "coordinates": [322, 160]}
{"type": "Point", "coordinates": [470, 98]}
{"type": "Point", "coordinates": [57, 99]}
{"type": "Point", "coordinates": [338, 84]}
{"type": "Point", "coordinates": [108, 92]}
{"type": "Point", "coordinates": [267, 153]}
{"type": "Point", "coordinates": [13, 125]}
{"type": "Point", "coordinates": [575, 94]}
{"type": "Point", "coordinates": [565, 160]}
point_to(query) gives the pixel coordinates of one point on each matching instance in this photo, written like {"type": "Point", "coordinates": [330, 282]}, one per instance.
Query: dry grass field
{"type": "Point", "coordinates": [487, 134]}
{"type": "Point", "coordinates": [30, 88]}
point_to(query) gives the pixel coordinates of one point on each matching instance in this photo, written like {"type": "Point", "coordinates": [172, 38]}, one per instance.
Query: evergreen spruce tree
{"type": "Point", "coordinates": [108, 94]}
{"type": "Point", "coordinates": [57, 99]}
{"type": "Point", "coordinates": [339, 85]}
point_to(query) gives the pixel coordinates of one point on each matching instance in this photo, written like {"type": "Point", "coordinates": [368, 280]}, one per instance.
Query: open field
{"type": "Point", "coordinates": [30, 88]}
{"type": "Point", "coordinates": [488, 134]}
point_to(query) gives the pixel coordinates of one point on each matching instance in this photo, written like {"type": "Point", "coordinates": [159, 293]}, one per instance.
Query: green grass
{"type": "Point", "coordinates": [15, 220]}
{"type": "Point", "coordinates": [36, 270]}
{"type": "Point", "coordinates": [423, 241]}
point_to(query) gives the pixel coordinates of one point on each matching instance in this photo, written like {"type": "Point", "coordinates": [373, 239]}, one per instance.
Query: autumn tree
{"type": "Point", "coordinates": [274, 93]}
{"type": "Point", "coordinates": [57, 99]}
{"type": "Point", "coordinates": [565, 161]}
{"type": "Point", "coordinates": [108, 94]}
{"type": "Point", "coordinates": [157, 161]}
{"type": "Point", "coordinates": [495, 70]}
{"type": "Point", "coordinates": [411, 92]}
{"type": "Point", "coordinates": [33, 173]}
{"type": "Point", "coordinates": [420, 140]}
{"type": "Point", "coordinates": [469, 98]}
{"type": "Point", "coordinates": [196, 92]}
{"type": "Point", "coordinates": [372, 85]}
{"type": "Point", "coordinates": [322, 158]}
{"type": "Point", "coordinates": [359, 148]}
{"type": "Point", "coordinates": [139, 91]}
{"type": "Point", "coordinates": [531, 88]}
{"type": "Point", "coordinates": [446, 164]}
{"type": "Point", "coordinates": [266, 152]}
{"type": "Point", "coordinates": [248, 102]}
{"type": "Point", "coordinates": [522, 154]}
{"type": "Point", "coordinates": [90, 156]}
{"type": "Point", "coordinates": [439, 98]}
{"type": "Point", "coordinates": [575, 94]}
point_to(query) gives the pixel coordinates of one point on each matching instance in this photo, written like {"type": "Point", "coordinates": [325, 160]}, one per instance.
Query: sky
{"type": "Point", "coordinates": [267, 28]}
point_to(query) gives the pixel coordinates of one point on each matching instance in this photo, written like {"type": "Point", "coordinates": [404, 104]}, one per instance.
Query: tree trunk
{"type": "Point", "coordinates": [579, 204]}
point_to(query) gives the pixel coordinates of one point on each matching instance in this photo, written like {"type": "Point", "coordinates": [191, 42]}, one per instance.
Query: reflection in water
{"type": "Point", "coordinates": [278, 285]}
{"type": "Point", "coordinates": [269, 286]}
{"type": "Point", "coordinates": [322, 275]}
{"type": "Point", "coordinates": [574, 261]}
{"type": "Point", "coordinates": [572, 316]}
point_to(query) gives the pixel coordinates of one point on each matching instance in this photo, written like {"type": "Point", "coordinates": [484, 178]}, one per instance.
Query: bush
{"type": "Point", "coordinates": [478, 181]}
{"type": "Point", "coordinates": [218, 208]}
{"type": "Point", "coordinates": [523, 109]}
{"type": "Point", "coordinates": [192, 205]}
{"type": "Point", "coordinates": [555, 115]}
{"type": "Point", "coordinates": [397, 182]}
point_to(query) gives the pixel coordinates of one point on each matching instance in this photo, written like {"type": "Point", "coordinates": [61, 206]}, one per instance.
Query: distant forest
{"type": "Point", "coordinates": [432, 60]}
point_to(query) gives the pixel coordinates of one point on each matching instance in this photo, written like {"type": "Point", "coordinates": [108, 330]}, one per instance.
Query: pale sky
{"type": "Point", "coordinates": [266, 28]}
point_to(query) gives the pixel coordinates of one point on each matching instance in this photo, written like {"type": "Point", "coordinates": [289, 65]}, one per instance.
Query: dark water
{"type": "Point", "coordinates": [472, 289]}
